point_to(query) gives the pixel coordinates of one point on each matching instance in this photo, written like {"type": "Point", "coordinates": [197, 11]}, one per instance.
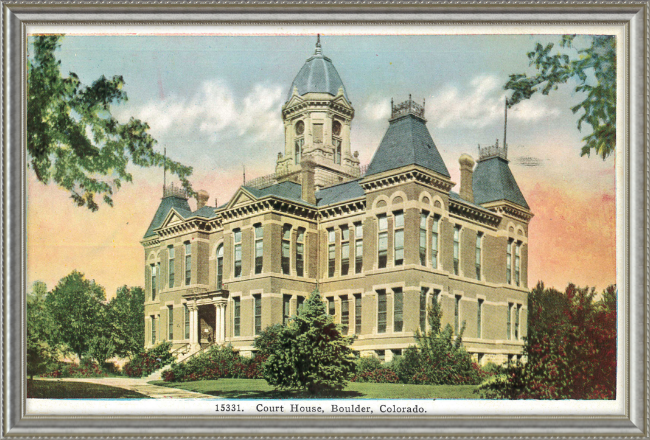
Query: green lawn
{"type": "Point", "coordinates": [50, 389]}
{"type": "Point", "coordinates": [259, 389]}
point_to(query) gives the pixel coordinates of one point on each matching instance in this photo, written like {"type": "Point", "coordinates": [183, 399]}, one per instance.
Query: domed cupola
{"type": "Point", "coordinates": [318, 75]}
{"type": "Point", "coordinates": [317, 117]}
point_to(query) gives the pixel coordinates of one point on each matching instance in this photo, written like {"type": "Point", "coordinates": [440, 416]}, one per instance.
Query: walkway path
{"type": "Point", "coordinates": [141, 386]}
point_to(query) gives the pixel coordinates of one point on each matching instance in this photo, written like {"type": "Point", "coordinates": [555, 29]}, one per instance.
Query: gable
{"type": "Point", "coordinates": [241, 197]}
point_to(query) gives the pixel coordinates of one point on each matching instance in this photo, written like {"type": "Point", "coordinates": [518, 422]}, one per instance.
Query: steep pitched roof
{"type": "Point", "coordinates": [339, 193]}
{"type": "Point", "coordinates": [285, 190]}
{"type": "Point", "coordinates": [494, 181]}
{"type": "Point", "coordinates": [407, 142]}
{"type": "Point", "coordinates": [178, 203]}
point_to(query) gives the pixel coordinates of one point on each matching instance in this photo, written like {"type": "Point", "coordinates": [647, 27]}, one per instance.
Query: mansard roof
{"type": "Point", "coordinates": [407, 142]}
{"type": "Point", "coordinates": [285, 190]}
{"type": "Point", "coordinates": [339, 193]}
{"type": "Point", "coordinates": [181, 206]}
{"type": "Point", "coordinates": [493, 181]}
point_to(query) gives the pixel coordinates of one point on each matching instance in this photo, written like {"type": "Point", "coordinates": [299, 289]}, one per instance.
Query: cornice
{"type": "Point", "coordinates": [465, 210]}
{"type": "Point", "coordinates": [342, 209]}
{"type": "Point", "coordinates": [418, 174]}
{"type": "Point", "coordinates": [509, 209]}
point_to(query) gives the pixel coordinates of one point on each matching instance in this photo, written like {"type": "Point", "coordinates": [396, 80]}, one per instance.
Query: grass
{"type": "Point", "coordinates": [51, 389]}
{"type": "Point", "coordinates": [259, 389]}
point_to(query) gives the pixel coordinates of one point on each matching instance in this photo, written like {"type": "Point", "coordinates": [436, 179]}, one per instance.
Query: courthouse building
{"type": "Point", "coordinates": [380, 244]}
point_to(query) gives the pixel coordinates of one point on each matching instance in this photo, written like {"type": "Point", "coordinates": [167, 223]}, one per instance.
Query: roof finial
{"type": "Point", "coordinates": [318, 49]}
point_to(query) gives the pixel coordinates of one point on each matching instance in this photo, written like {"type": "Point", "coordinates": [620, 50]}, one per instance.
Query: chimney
{"type": "Point", "coordinates": [466, 181]}
{"type": "Point", "coordinates": [307, 180]}
{"type": "Point", "coordinates": [202, 197]}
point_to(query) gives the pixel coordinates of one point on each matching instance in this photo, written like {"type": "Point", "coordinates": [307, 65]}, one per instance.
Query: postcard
{"type": "Point", "coordinates": [325, 221]}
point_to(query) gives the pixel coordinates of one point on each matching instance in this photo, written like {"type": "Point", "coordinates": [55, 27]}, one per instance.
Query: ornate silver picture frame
{"type": "Point", "coordinates": [626, 417]}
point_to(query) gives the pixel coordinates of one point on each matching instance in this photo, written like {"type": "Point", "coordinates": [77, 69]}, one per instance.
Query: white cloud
{"type": "Point", "coordinates": [377, 110]}
{"type": "Point", "coordinates": [215, 112]}
{"type": "Point", "coordinates": [480, 104]}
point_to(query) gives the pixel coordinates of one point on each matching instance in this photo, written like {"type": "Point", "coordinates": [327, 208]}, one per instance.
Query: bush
{"type": "Point", "coordinates": [407, 365]}
{"type": "Point", "coordinates": [366, 364]}
{"type": "Point", "coordinates": [215, 363]}
{"type": "Point", "coordinates": [378, 375]}
{"type": "Point", "coordinates": [310, 352]}
{"type": "Point", "coordinates": [145, 363]}
{"type": "Point", "coordinates": [87, 368]}
{"type": "Point", "coordinates": [570, 348]}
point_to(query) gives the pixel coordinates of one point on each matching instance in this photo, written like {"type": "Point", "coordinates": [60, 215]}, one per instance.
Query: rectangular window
{"type": "Point", "coordinates": [423, 238]}
{"type": "Point", "coordinates": [186, 316]}
{"type": "Point", "coordinates": [423, 308]}
{"type": "Point", "coordinates": [383, 241]}
{"type": "Point", "coordinates": [399, 238]}
{"type": "Point", "coordinates": [153, 330]}
{"type": "Point", "coordinates": [434, 242]}
{"type": "Point", "coordinates": [301, 301]}
{"type": "Point", "coordinates": [509, 322]}
{"type": "Point", "coordinates": [188, 263]}
{"type": "Point", "coordinates": [153, 282]}
{"type": "Point", "coordinates": [345, 314]}
{"type": "Point", "coordinates": [337, 151]}
{"type": "Point", "coordinates": [381, 311]}
{"type": "Point", "coordinates": [220, 267]}
{"type": "Point", "coordinates": [457, 315]}
{"type": "Point", "coordinates": [345, 250]}
{"type": "Point", "coordinates": [286, 309]}
{"type": "Point", "coordinates": [479, 319]}
{"type": "Point", "coordinates": [517, 309]}
{"type": "Point", "coordinates": [509, 262]}
{"type": "Point", "coordinates": [358, 248]}
{"type": "Point", "coordinates": [300, 252]}
{"type": "Point", "coordinates": [170, 265]}
{"type": "Point", "coordinates": [318, 133]}
{"type": "Point", "coordinates": [170, 322]}
{"type": "Point", "coordinates": [237, 315]}
{"type": "Point", "coordinates": [381, 355]}
{"type": "Point", "coordinates": [357, 313]}
{"type": "Point", "coordinates": [331, 308]}
{"type": "Point", "coordinates": [286, 249]}
{"type": "Point", "coordinates": [398, 310]}
{"type": "Point", "coordinates": [331, 252]}
{"type": "Point", "coordinates": [238, 256]}
{"type": "Point", "coordinates": [456, 250]}
{"type": "Point", "coordinates": [517, 262]}
{"type": "Point", "coordinates": [436, 297]}
{"type": "Point", "coordinates": [257, 299]}
{"type": "Point", "coordinates": [298, 150]}
{"type": "Point", "coordinates": [259, 248]}
{"type": "Point", "coordinates": [479, 249]}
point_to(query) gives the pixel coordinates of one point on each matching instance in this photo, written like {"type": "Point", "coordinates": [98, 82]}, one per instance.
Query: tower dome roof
{"type": "Point", "coordinates": [318, 75]}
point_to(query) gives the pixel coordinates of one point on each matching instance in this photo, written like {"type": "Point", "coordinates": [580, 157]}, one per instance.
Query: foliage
{"type": "Point", "coordinates": [124, 317]}
{"type": "Point", "coordinates": [215, 363]}
{"type": "Point", "coordinates": [100, 349]}
{"type": "Point", "coordinates": [72, 137]}
{"type": "Point", "coordinates": [595, 70]}
{"type": "Point", "coordinates": [76, 309]}
{"type": "Point", "coordinates": [85, 369]}
{"type": "Point", "coordinates": [41, 352]}
{"type": "Point", "coordinates": [145, 363]}
{"type": "Point", "coordinates": [310, 352]}
{"type": "Point", "coordinates": [571, 352]}
{"type": "Point", "coordinates": [407, 365]}
{"type": "Point", "coordinates": [378, 375]}
{"type": "Point", "coordinates": [440, 358]}
{"type": "Point", "coordinates": [265, 342]}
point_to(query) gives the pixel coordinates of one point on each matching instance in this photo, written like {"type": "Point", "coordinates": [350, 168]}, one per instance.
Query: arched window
{"type": "Point", "coordinates": [219, 266]}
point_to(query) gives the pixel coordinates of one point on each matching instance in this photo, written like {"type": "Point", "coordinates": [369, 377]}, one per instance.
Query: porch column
{"type": "Point", "coordinates": [220, 321]}
{"type": "Point", "coordinates": [194, 327]}
{"type": "Point", "coordinates": [222, 328]}
{"type": "Point", "coordinates": [217, 323]}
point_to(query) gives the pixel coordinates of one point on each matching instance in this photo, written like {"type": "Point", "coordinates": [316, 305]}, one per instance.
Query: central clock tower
{"type": "Point", "coordinates": [317, 117]}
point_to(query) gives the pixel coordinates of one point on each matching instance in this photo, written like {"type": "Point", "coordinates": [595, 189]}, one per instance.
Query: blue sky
{"type": "Point", "coordinates": [215, 103]}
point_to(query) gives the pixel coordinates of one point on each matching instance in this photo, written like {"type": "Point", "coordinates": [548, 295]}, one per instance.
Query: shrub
{"type": "Point", "coordinates": [378, 375]}
{"type": "Point", "coordinates": [310, 352]}
{"type": "Point", "coordinates": [366, 364]}
{"type": "Point", "coordinates": [407, 365]}
{"type": "Point", "coordinates": [145, 363]}
{"type": "Point", "coordinates": [570, 348]}
{"type": "Point", "coordinates": [87, 368]}
{"type": "Point", "coordinates": [215, 363]}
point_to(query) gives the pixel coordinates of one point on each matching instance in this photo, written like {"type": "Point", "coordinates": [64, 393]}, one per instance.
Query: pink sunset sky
{"type": "Point", "coordinates": [215, 102]}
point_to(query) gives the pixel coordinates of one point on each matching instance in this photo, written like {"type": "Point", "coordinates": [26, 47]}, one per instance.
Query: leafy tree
{"type": "Point", "coordinates": [571, 350]}
{"type": "Point", "coordinates": [76, 308]}
{"type": "Point", "coordinates": [439, 358]}
{"type": "Point", "coordinates": [72, 137]}
{"type": "Point", "coordinates": [310, 352]}
{"type": "Point", "coordinates": [40, 351]}
{"type": "Point", "coordinates": [595, 70]}
{"type": "Point", "coordinates": [125, 320]}
{"type": "Point", "coordinates": [100, 349]}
